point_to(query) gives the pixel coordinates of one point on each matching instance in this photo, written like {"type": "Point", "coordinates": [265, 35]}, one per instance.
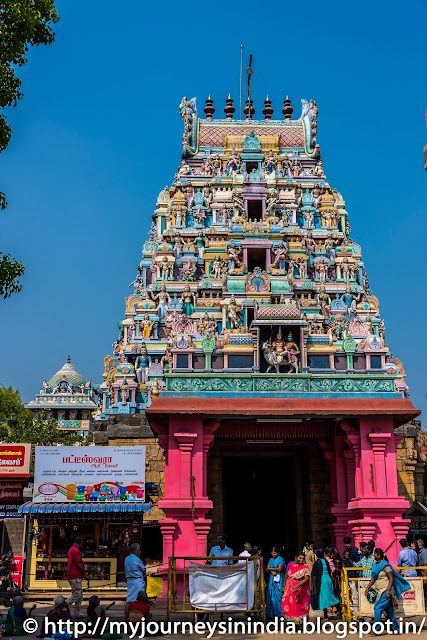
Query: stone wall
{"type": "Point", "coordinates": [411, 461]}
{"type": "Point", "coordinates": [134, 430]}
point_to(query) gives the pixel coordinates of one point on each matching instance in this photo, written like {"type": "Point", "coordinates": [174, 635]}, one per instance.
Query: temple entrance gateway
{"type": "Point", "coordinates": [256, 506]}
{"type": "Point", "coordinates": [268, 488]}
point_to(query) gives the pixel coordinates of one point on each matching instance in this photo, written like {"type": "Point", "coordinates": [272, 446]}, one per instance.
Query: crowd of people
{"type": "Point", "coordinates": [313, 578]}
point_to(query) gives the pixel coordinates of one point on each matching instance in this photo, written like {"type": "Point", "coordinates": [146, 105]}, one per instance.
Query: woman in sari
{"type": "Point", "coordinates": [322, 587]}
{"type": "Point", "coordinates": [384, 579]}
{"type": "Point", "coordinates": [296, 591]}
{"type": "Point", "coordinates": [274, 585]}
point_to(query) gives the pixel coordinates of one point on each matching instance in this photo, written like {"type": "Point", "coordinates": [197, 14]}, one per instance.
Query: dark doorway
{"type": "Point", "coordinates": [250, 166]}
{"type": "Point", "coordinates": [254, 210]}
{"type": "Point", "coordinates": [260, 503]}
{"type": "Point", "coordinates": [256, 258]}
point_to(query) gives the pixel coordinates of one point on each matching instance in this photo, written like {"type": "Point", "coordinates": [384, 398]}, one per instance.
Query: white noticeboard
{"type": "Point", "coordinates": [222, 588]}
{"type": "Point", "coordinates": [411, 604]}
{"type": "Point", "coordinates": [89, 474]}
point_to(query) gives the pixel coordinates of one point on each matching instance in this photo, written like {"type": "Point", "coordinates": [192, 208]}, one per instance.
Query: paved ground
{"type": "Point", "coordinates": [159, 615]}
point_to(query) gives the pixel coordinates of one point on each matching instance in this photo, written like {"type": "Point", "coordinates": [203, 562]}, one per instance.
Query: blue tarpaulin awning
{"type": "Point", "coordinates": [85, 507]}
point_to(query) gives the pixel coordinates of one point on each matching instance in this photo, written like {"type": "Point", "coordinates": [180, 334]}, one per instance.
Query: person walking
{"type": "Point", "coordinates": [276, 575]}
{"type": "Point", "coordinates": [135, 575]}
{"type": "Point", "coordinates": [407, 558]}
{"type": "Point", "coordinates": [76, 570]}
{"type": "Point", "coordinates": [384, 579]}
{"type": "Point", "coordinates": [351, 554]}
{"type": "Point", "coordinates": [322, 587]}
{"type": "Point", "coordinates": [422, 562]}
{"type": "Point", "coordinates": [296, 591]}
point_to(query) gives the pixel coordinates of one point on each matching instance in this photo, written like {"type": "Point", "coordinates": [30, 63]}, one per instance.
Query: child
{"type": "Point", "coordinates": [139, 609]}
{"type": "Point", "coordinates": [96, 612]}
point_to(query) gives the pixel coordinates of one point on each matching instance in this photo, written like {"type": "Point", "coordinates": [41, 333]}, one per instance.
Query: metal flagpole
{"type": "Point", "coordinates": [241, 72]}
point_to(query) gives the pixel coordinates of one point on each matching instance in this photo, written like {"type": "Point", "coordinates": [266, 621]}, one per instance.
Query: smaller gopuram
{"type": "Point", "coordinates": [254, 344]}
{"type": "Point", "coordinates": [68, 398]}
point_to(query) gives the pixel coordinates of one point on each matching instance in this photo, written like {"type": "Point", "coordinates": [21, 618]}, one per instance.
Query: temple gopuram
{"type": "Point", "coordinates": [254, 345]}
{"type": "Point", "coordinates": [68, 398]}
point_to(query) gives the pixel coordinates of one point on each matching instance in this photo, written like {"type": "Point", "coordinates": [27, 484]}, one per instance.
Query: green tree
{"type": "Point", "coordinates": [17, 424]}
{"type": "Point", "coordinates": [23, 23]}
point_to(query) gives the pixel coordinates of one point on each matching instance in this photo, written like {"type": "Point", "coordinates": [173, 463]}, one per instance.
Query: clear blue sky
{"type": "Point", "coordinates": [98, 135]}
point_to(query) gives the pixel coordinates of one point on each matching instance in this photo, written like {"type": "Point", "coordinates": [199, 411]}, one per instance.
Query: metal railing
{"type": "Point", "coordinates": [346, 605]}
{"type": "Point", "coordinates": [180, 603]}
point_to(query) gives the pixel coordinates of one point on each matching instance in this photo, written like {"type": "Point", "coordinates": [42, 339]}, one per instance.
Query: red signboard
{"type": "Point", "coordinates": [408, 595]}
{"type": "Point", "coordinates": [15, 460]}
{"type": "Point", "coordinates": [11, 490]}
{"type": "Point", "coordinates": [16, 570]}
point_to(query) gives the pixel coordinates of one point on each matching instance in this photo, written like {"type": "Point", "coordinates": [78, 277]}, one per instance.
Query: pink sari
{"type": "Point", "coordinates": [296, 604]}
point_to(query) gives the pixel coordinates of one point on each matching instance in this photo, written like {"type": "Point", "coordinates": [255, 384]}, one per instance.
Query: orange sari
{"type": "Point", "coordinates": [296, 598]}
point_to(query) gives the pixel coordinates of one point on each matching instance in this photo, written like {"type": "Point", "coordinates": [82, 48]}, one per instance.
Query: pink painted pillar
{"type": "Point", "coordinates": [379, 442]}
{"type": "Point", "coordinates": [352, 458]}
{"type": "Point", "coordinates": [185, 443]}
{"type": "Point", "coordinates": [344, 469]}
{"type": "Point", "coordinates": [186, 440]}
{"type": "Point", "coordinates": [341, 479]}
{"type": "Point", "coordinates": [377, 508]}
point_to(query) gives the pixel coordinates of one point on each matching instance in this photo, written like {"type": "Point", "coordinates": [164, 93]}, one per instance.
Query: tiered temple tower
{"type": "Point", "coordinates": [252, 321]}
{"type": "Point", "coordinates": [68, 398]}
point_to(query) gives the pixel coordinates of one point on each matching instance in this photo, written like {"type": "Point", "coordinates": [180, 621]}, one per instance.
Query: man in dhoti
{"type": "Point", "coordinates": [135, 575]}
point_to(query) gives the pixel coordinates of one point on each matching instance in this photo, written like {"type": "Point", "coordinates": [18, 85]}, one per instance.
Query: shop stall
{"type": "Point", "coordinates": [107, 529]}
{"type": "Point", "coordinates": [96, 493]}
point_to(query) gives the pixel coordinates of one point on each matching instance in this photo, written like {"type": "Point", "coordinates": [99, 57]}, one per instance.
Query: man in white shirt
{"type": "Point", "coordinates": [247, 552]}
{"type": "Point", "coordinates": [221, 551]}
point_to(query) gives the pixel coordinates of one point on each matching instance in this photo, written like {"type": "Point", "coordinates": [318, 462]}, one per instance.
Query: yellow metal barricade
{"type": "Point", "coordinates": [346, 603]}
{"type": "Point", "coordinates": [178, 571]}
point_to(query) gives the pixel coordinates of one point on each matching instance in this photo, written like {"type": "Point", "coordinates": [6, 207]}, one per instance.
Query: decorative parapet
{"type": "Point", "coordinates": [288, 384]}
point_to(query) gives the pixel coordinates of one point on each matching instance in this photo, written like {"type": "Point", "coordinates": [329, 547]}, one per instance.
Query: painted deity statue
{"type": "Point", "coordinates": [163, 299]}
{"type": "Point", "coordinates": [279, 255]}
{"type": "Point", "coordinates": [146, 326]}
{"type": "Point", "coordinates": [188, 301]}
{"type": "Point", "coordinates": [233, 162]}
{"type": "Point", "coordinates": [233, 313]}
{"type": "Point", "coordinates": [302, 268]}
{"type": "Point", "coordinates": [188, 270]}
{"type": "Point", "coordinates": [308, 218]}
{"type": "Point", "coordinates": [217, 266]}
{"type": "Point", "coordinates": [324, 301]}
{"type": "Point", "coordinates": [322, 268]}
{"type": "Point", "coordinates": [270, 162]}
{"type": "Point", "coordinates": [279, 344]}
{"type": "Point", "coordinates": [142, 365]}
{"type": "Point", "coordinates": [350, 303]}
{"type": "Point", "coordinates": [235, 255]}
{"type": "Point", "coordinates": [124, 391]}
{"type": "Point", "coordinates": [292, 348]}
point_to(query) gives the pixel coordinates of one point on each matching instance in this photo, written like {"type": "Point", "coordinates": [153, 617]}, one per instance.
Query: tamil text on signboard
{"type": "Point", "coordinates": [89, 474]}
{"type": "Point", "coordinates": [15, 460]}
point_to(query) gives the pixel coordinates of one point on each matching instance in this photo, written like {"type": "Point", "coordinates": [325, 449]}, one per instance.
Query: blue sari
{"type": "Point", "coordinates": [400, 585]}
{"type": "Point", "coordinates": [273, 592]}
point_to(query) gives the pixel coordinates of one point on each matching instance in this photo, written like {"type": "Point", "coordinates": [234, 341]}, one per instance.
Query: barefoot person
{"type": "Point", "coordinates": [296, 591]}
{"type": "Point", "coordinates": [384, 580]}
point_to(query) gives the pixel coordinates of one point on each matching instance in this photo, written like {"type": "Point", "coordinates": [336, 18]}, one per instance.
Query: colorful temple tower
{"type": "Point", "coordinates": [254, 345]}
{"type": "Point", "coordinates": [68, 398]}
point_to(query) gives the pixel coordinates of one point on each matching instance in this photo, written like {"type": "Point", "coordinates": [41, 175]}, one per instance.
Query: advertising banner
{"type": "Point", "coordinates": [15, 460]}
{"type": "Point", "coordinates": [10, 510]}
{"type": "Point", "coordinates": [89, 474]}
{"type": "Point", "coordinates": [12, 490]}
